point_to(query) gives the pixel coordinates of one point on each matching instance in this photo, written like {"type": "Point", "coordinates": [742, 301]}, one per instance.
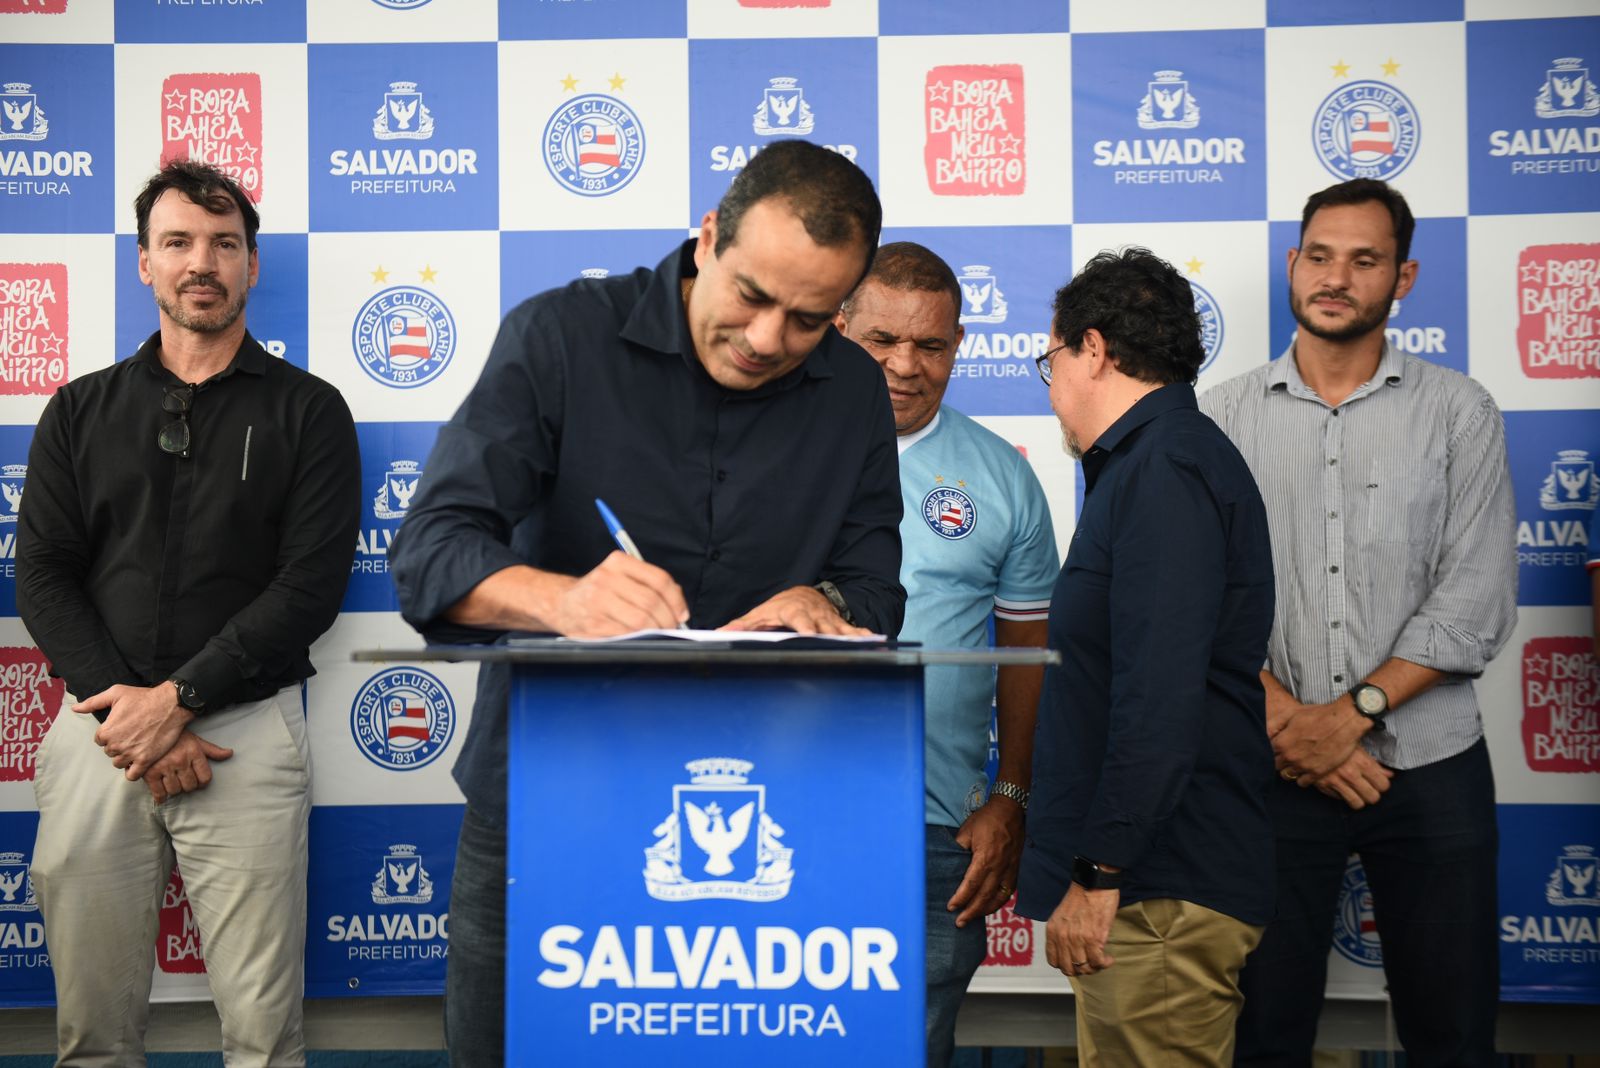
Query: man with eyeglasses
{"type": "Point", "coordinates": [976, 540]}
{"type": "Point", "coordinates": [188, 529]}
{"type": "Point", "coordinates": [1149, 849]}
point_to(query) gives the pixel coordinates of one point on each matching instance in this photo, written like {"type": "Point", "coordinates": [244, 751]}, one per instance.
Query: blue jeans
{"type": "Point", "coordinates": [1429, 849]}
{"type": "Point", "coordinates": [475, 976]}
{"type": "Point", "coordinates": [953, 953]}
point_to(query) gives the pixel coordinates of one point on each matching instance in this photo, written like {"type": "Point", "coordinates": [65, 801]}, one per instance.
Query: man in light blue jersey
{"type": "Point", "coordinates": [977, 540]}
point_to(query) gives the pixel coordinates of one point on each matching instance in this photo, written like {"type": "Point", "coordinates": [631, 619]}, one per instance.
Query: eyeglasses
{"type": "Point", "coordinates": [1043, 363]}
{"type": "Point", "coordinates": [174, 437]}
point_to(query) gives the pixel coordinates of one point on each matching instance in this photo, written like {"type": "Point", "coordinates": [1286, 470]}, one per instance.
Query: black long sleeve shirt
{"type": "Point", "coordinates": [134, 564]}
{"type": "Point", "coordinates": [1152, 751]}
{"type": "Point", "coordinates": [595, 390]}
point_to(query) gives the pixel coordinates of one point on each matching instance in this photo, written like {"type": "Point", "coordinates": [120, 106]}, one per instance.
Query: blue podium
{"type": "Point", "coordinates": [716, 851]}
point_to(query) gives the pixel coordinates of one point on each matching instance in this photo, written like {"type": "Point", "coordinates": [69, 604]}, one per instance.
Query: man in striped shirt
{"type": "Point", "coordinates": [1393, 543]}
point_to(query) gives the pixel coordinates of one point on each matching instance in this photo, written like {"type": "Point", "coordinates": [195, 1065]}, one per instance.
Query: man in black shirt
{"type": "Point", "coordinates": [189, 525]}
{"type": "Point", "coordinates": [1148, 845]}
{"type": "Point", "coordinates": [747, 447]}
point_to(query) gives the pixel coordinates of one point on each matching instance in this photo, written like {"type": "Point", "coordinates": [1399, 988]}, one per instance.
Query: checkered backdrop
{"type": "Point", "coordinates": [407, 152]}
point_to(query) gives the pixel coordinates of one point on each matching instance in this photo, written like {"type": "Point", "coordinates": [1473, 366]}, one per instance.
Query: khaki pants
{"type": "Point", "coordinates": [1173, 995]}
{"type": "Point", "coordinates": [101, 863]}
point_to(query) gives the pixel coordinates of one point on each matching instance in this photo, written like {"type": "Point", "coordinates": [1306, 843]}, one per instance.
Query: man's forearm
{"type": "Point", "coordinates": [516, 598]}
{"type": "Point", "coordinates": [1017, 699]}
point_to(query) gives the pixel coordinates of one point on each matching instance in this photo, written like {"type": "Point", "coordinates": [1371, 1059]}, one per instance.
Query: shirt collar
{"type": "Point", "coordinates": [905, 441]}
{"type": "Point", "coordinates": [1158, 402]}
{"type": "Point", "coordinates": [1284, 374]}
{"type": "Point", "coordinates": [658, 322]}
{"type": "Point", "coordinates": [251, 358]}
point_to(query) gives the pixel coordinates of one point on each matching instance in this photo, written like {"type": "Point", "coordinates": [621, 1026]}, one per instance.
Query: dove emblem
{"type": "Point", "coordinates": [1571, 483]}
{"type": "Point", "coordinates": [1578, 878]}
{"type": "Point", "coordinates": [16, 889]}
{"type": "Point", "coordinates": [716, 838]}
{"type": "Point", "coordinates": [784, 109]}
{"type": "Point", "coordinates": [17, 113]}
{"type": "Point", "coordinates": [399, 486]}
{"type": "Point", "coordinates": [1573, 880]}
{"type": "Point", "coordinates": [402, 878]}
{"type": "Point", "coordinates": [723, 815]}
{"type": "Point", "coordinates": [1168, 101]}
{"type": "Point", "coordinates": [21, 117]}
{"type": "Point", "coordinates": [403, 115]}
{"type": "Point", "coordinates": [13, 495]}
{"type": "Point", "coordinates": [402, 874]}
{"type": "Point", "coordinates": [1568, 91]}
{"type": "Point", "coordinates": [1168, 104]}
{"type": "Point", "coordinates": [10, 883]}
{"type": "Point", "coordinates": [403, 111]}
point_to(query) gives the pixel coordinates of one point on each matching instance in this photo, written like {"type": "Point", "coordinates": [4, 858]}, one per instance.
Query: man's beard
{"type": "Point", "coordinates": [1367, 317]}
{"type": "Point", "coordinates": [214, 321]}
{"type": "Point", "coordinates": [1070, 444]}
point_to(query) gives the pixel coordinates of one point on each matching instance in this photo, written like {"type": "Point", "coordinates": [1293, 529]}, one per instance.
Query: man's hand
{"type": "Point", "coordinates": [1358, 782]}
{"type": "Point", "coordinates": [185, 768]}
{"type": "Point", "coordinates": [994, 835]}
{"type": "Point", "coordinates": [800, 609]}
{"type": "Point", "coordinates": [1318, 738]}
{"type": "Point", "coordinates": [1075, 937]}
{"type": "Point", "coordinates": [143, 724]}
{"type": "Point", "coordinates": [619, 596]}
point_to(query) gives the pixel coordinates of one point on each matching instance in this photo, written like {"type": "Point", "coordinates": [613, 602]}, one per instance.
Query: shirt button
{"type": "Point", "coordinates": [1336, 413]}
{"type": "Point", "coordinates": [1338, 678]}
{"type": "Point", "coordinates": [715, 554]}
{"type": "Point", "coordinates": [1334, 569]}
{"type": "Point", "coordinates": [1333, 515]}
{"type": "Point", "coordinates": [1334, 624]}
{"type": "Point", "coordinates": [1332, 463]}
{"type": "Point", "coordinates": [722, 476]}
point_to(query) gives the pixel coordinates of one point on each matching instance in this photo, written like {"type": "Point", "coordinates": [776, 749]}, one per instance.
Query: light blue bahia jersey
{"type": "Point", "coordinates": [976, 538]}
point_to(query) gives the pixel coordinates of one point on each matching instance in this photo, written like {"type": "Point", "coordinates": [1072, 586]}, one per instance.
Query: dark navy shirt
{"type": "Point", "coordinates": [595, 390]}
{"type": "Point", "coordinates": [1151, 751]}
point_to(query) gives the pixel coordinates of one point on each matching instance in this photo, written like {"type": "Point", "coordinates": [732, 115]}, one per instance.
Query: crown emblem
{"type": "Point", "coordinates": [719, 771]}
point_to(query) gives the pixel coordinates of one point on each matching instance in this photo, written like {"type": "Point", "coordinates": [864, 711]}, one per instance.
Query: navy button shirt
{"type": "Point", "coordinates": [595, 390]}
{"type": "Point", "coordinates": [1151, 752]}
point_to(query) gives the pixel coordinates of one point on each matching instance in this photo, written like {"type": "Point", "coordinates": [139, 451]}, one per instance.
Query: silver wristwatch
{"type": "Point", "coordinates": [1011, 790]}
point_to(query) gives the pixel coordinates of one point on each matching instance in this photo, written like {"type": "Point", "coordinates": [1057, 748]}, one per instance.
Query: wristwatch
{"type": "Point", "coordinates": [1011, 790]}
{"type": "Point", "coordinates": [187, 697]}
{"type": "Point", "coordinates": [1372, 703]}
{"type": "Point", "coordinates": [835, 598]}
{"type": "Point", "coordinates": [1091, 876]}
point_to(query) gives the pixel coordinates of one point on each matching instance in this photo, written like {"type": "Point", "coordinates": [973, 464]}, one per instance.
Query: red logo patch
{"type": "Point", "coordinates": [215, 119]}
{"type": "Point", "coordinates": [29, 701]}
{"type": "Point", "coordinates": [1010, 938]}
{"type": "Point", "coordinates": [178, 949]}
{"type": "Point", "coordinates": [976, 137]}
{"type": "Point", "coordinates": [1558, 311]}
{"type": "Point", "coordinates": [1561, 704]}
{"type": "Point", "coordinates": [33, 327]}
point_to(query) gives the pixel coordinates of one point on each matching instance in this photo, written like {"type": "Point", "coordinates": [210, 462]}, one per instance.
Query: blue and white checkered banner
{"type": "Point", "coordinates": [422, 166]}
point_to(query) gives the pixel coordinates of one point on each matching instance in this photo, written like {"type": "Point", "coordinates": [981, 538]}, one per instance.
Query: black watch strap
{"type": "Point", "coordinates": [188, 697]}
{"type": "Point", "coordinates": [835, 598]}
{"type": "Point", "coordinates": [1091, 876]}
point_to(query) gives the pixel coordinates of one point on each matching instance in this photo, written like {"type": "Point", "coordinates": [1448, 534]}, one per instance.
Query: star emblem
{"type": "Point", "coordinates": [1010, 143]}
{"type": "Point", "coordinates": [247, 153]}
{"type": "Point", "coordinates": [1390, 67]}
{"type": "Point", "coordinates": [175, 100]}
{"type": "Point", "coordinates": [940, 92]}
{"type": "Point", "coordinates": [428, 273]}
{"type": "Point", "coordinates": [1536, 665]}
{"type": "Point", "coordinates": [961, 482]}
{"type": "Point", "coordinates": [52, 343]}
{"type": "Point", "coordinates": [616, 82]}
{"type": "Point", "coordinates": [569, 84]}
{"type": "Point", "coordinates": [939, 479]}
{"type": "Point", "coordinates": [1341, 69]}
{"type": "Point", "coordinates": [1532, 272]}
{"type": "Point", "coordinates": [1194, 264]}
{"type": "Point", "coordinates": [380, 275]}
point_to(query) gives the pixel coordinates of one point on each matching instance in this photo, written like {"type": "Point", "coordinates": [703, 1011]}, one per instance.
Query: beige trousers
{"type": "Point", "coordinates": [1173, 995]}
{"type": "Point", "coordinates": [102, 860]}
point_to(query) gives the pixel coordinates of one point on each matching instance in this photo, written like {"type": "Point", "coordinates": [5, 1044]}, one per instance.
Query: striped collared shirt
{"type": "Point", "coordinates": [1393, 535]}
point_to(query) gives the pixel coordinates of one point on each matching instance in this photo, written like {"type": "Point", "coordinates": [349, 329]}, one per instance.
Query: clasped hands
{"type": "Point", "coordinates": [1317, 745]}
{"type": "Point", "coordinates": [146, 734]}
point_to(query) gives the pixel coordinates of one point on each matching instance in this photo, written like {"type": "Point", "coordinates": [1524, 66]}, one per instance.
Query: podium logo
{"type": "Point", "coordinates": [1561, 705]}
{"type": "Point", "coordinates": [215, 119]}
{"type": "Point", "coordinates": [1366, 129]}
{"type": "Point", "coordinates": [981, 299]}
{"type": "Point", "coordinates": [1558, 311]}
{"type": "Point", "coordinates": [33, 328]}
{"type": "Point", "coordinates": [732, 849]}
{"type": "Point", "coordinates": [976, 137]}
{"type": "Point", "coordinates": [1355, 929]}
{"type": "Point", "coordinates": [1571, 483]}
{"type": "Point", "coordinates": [401, 879]}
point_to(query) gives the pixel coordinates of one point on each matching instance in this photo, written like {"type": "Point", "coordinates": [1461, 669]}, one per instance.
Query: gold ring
{"type": "Point", "coordinates": [1080, 964]}
{"type": "Point", "coordinates": [1290, 774]}
{"type": "Point", "coordinates": [1005, 891]}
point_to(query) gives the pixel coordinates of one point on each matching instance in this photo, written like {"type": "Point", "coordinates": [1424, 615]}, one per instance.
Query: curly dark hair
{"type": "Point", "coordinates": [203, 184]}
{"type": "Point", "coordinates": [833, 198]}
{"type": "Point", "coordinates": [1142, 307]}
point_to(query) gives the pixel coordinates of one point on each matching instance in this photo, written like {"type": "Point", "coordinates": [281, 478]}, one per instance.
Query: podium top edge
{"type": "Point", "coordinates": [559, 653]}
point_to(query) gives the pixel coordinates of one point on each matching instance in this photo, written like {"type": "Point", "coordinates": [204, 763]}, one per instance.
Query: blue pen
{"type": "Point", "coordinates": [617, 533]}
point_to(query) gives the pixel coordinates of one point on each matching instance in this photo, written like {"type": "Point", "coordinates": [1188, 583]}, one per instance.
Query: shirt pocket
{"type": "Point", "coordinates": [1406, 499]}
